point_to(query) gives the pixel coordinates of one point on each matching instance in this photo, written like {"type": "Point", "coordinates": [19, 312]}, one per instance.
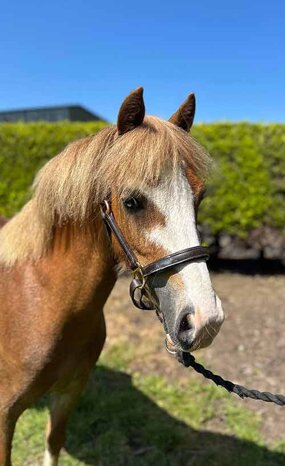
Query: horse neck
{"type": "Point", "coordinates": [80, 265]}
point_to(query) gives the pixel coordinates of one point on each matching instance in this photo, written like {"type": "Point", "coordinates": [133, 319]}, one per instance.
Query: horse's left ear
{"type": "Point", "coordinates": [185, 114]}
{"type": "Point", "coordinates": [132, 112]}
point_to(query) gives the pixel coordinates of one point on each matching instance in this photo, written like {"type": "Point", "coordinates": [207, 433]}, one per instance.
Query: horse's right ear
{"type": "Point", "coordinates": [132, 112]}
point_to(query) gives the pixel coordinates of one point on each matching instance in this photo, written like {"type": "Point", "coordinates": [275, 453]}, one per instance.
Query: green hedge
{"type": "Point", "coordinates": [24, 148]}
{"type": "Point", "coordinates": [246, 191]}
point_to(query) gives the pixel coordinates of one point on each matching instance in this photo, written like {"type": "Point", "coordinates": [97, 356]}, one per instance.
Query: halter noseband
{"type": "Point", "coordinates": [140, 292]}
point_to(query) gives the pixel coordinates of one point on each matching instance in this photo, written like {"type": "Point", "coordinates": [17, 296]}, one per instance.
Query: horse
{"type": "Point", "coordinates": [59, 262]}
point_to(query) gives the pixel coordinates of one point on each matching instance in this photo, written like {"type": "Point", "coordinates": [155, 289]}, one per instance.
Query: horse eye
{"type": "Point", "coordinates": [133, 204]}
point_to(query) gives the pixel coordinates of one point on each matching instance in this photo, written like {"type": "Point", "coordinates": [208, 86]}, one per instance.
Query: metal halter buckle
{"type": "Point", "coordinates": [139, 291]}
{"type": "Point", "coordinates": [138, 275]}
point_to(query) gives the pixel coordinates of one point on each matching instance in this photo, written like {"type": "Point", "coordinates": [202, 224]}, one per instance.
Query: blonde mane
{"type": "Point", "coordinates": [70, 185]}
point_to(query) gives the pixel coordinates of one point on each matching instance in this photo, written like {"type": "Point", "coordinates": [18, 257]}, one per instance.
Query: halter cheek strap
{"type": "Point", "coordinates": [111, 223]}
{"type": "Point", "coordinates": [140, 291]}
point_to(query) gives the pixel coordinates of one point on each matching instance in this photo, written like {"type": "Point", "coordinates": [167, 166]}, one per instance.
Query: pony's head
{"type": "Point", "coordinates": [153, 172]}
{"type": "Point", "coordinates": [155, 199]}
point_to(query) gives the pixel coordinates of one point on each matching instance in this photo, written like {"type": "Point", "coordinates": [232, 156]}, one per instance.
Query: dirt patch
{"type": "Point", "coordinates": [250, 348]}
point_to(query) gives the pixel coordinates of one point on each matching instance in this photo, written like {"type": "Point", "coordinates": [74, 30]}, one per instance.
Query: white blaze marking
{"type": "Point", "coordinates": [175, 200]}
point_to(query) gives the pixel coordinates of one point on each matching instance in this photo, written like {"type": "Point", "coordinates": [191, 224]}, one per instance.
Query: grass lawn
{"type": "Point", "coordinates": [127, 418]}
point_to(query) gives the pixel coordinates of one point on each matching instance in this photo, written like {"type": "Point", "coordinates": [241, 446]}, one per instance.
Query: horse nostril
{"type": "Point", "coordinates": [186, 323]}
{"type": "Point", "coordinates": [185, 329]}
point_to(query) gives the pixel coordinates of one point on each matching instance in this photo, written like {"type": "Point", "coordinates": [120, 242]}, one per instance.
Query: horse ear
{"type": "Point", "coordinates": [185, 114]}
{"type": "Point", "coordinates": [132, 112]}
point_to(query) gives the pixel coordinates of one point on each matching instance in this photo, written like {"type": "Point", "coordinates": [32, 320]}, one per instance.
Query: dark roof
{"type": "Point", "coordinates": [57, 113]}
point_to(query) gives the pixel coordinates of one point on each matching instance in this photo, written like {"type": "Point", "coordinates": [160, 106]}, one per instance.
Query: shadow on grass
{"type": "Point", "coordinates": [115, 424]}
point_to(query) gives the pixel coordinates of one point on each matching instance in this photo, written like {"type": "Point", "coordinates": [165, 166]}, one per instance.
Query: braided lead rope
{"type": "Point", "coordinates": [187, 360]}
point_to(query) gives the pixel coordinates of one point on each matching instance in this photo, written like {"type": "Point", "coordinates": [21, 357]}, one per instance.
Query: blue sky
{"type": "Point", "coordinates": [231, 54]}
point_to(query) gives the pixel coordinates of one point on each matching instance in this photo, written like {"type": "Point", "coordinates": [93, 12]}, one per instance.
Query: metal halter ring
{"type": "Point", "coordinates": [168, 349]}
{"type": "Point", "coordinates": [105, 208]}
